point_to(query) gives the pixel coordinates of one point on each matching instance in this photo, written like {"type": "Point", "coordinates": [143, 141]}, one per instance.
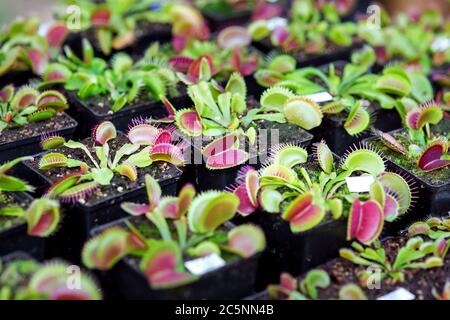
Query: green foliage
{"type": "Point", "coordinates": [27, 105]}
{"type": "Point", "coordinates": [307, 288]}
{"type": "Point", "coordinates": [22, 48]}
{"type": "Point", "coordinates": [114, 22]}
{"type": "Point", "coordinates": [121, 84]}
{"type": "Point", "coordinates": [416, 254]}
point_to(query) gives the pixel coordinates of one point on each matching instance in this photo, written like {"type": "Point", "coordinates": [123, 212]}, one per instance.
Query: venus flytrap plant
{"type": "Point", "coordinates": [42, 215]}
{"type": "Point", "coordinates": [228, 54]}
{"type": "Point", "coordinates": [9, 183]}
{"type": "Point", "coordinates": [407, 40]}
{"type": "Point", "coordinates": [352, 84]}
{"type": "Point", "coordinates": [427, 150]}
{"type": "Point", "coordinates": [351, 291]}
{"type": "Point", "coordinates": [292, 289]}
{"type": "Point", "coordinates": [310, 30]}
{"type": "Point", "coordinates": [416, 254]}
{"type": "Point", "coordinates": [187, 225]}
{"type": "Point", "coordinates": [305, 197]}
{"type": "Point", "coordinates": [147, 144]}
{"type": "Point", "coordinates": [22, 48]}
{"type": "Point", "coordinates": [125, 81]}
{"type": "Point", "coordinates": [27, 105]}
{"type": "Point", "coordinates": [27, 280]}
{"type": "Point", "coordinates": [114, 23]}
{"type": "Point", "coordinates": [434, 228]}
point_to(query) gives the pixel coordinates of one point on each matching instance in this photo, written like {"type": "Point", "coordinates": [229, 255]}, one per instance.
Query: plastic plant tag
{"type": "Point", "coordinates": [320, 97]}
{"type": "Point", "coordinates": [440, 44]}
{"type": "Point", "coordinates": [398, 294]}
{"type": "Point", "coordinates": [359, 184]}
{"type": "Point", "coordinates": [276, 22]}
{"type": "Point", "coordinates": [204, 264]}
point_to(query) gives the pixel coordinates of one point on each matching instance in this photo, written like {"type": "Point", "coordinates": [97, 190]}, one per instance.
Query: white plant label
{"type": "Point", "coordinates": [440, 44]}
{"type": "Point", "coordinates": [204, 264]}
{"type": "Point", "coordinates": [320, 97]}
{"type": "Point", "coordinates": [276, 22]}
{"type": "Point", "coordinates": [398, 294]}
{"type": "Point", "coordinates": [359, 184]}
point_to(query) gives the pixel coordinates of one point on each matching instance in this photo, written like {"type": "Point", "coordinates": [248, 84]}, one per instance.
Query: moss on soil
{"type": "Point", "coordinates": [435, 178]}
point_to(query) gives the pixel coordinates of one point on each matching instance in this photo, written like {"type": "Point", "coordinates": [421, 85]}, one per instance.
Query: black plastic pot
{"type": "Point", "coordinates": [333, 132]}
{"type": "Point", "coordinates": [145, 35]}
{"type": "Point", "coordinates": [206, 179]}
{"type": "Point", "coordinates": [340, 53]}
{"type": "Point", "coordinates": [17, 238]}
{"type": "Point", "coordinates": [30, 145]}
{"type": "Point", "coordinates": [235, 280]}
{"type": "Point", "coordinates": [89, 118]}
{"type": "Point", "coordinates": [218, 20]}
{"type": "Point", "coordinates": [80, 218]}
{"type": "Point", "coordinates": [296, 253]}
{"type": "Point", "coordinates": [431, 198]}
{"type": "Point", "coordinates": [17, 78]}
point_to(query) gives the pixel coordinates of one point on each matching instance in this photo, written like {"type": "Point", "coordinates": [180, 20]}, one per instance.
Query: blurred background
{"type": "Point", "coordinates": [9, 9]}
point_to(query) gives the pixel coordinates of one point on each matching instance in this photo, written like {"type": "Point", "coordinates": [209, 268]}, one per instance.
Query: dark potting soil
{"type": "Point", "coordinates": [287, 133]}
{"type": "Point", "coordinates": [8, 199]}
{"type": "Point", "coordinates": [417, 281]}
{"type": "Point", "coordinates": [435, 178]}
{"type": "Point", "coordinates": [35, 129]}
{"type": "Point", "coordinates": [146, 28]}
{"type": "Point", "coordinates": [101, 105]}
{"type": "Point", "coordinates": [301, 54]}
{"type": "Point", "coordinates": [119, 184]}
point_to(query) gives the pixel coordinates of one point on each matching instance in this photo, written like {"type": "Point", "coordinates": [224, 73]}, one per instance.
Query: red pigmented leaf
{"type": "Point", "coordinates": [430, 158]}
{"type": "Point", "coordinates": [365, 221]}
{"type": "Point", "coordinates": [100, 17]}
{"type": "Point", "coordinates": [227, 159]}
{"type": "Point", "coordinates": [57, 34]}
{"type": "Point", "coordinates": [181, 63]}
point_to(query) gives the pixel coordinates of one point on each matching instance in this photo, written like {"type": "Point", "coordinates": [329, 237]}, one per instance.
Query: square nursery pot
{"type": "Point", "coordinates": [83, 216]}
{"type": "Point", "coordinates": [233, 281]}
{"type": "Point", "coordinates": [17, 78]}
{"type": "Point", "coordinates": [25, 140]}
{"type": "Point", "coordinates": [15, 237]}
{"type": "Point", "coordinates": [296, 253]}
{"type": "Point", "coordinates": [206, 179]}
{"type": "Point", "coordinates": [433, 188]}
{"type": "Point", "coordinates": [419, 283]}
{"type": "Point", "coordinates": [218, 20]}
{"type": "Point", "coordinates": [145, 32]}
{"type": "Point", "coordinates": [333, 132]}
{"type": "Point", "coordinates": [88, 117]}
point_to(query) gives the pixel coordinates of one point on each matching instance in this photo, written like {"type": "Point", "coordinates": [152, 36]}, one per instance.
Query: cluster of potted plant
{"type": "Point", "coordinates": [208, 150]}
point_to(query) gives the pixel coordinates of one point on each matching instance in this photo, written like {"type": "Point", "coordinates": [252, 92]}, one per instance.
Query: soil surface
{"type": "Point", "coordinates": [437, 177]}
{"type": "Point", "coordinates": [35, 129]}
{"type": "Point", "coordinates": [10, 199]}
{"type": "Point", "coordinates": [300, 55]}
{"type": "Point", "coordinates": [101, 105]}
{"type": "Point", "coordinates": [287, 134]}
{"type": "Point", "coordinates": [161, 171]}
{"type": "Point", "coordinates": [419, 282]}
